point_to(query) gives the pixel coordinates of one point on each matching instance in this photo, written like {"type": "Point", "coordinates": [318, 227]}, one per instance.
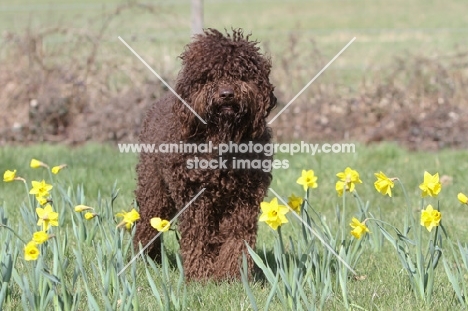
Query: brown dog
{"type": "Point", "coordinates": [225, 80]}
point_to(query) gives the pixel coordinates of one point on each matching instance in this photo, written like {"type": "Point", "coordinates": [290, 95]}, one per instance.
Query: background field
{"type": "Point", "coordinates": [383, 30]}
{"type": "Point", "coordinates": [403, 81]}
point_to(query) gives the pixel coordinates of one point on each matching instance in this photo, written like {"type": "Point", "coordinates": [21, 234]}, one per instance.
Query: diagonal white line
{"type": "Point", "coordinates": [314, 233]}
{"type": "Point", "coordinates": [159, 77]}
{"type": "Point", "coordinates": [314, 78]}
{"type": "Point", "coordinates": [159, 233]}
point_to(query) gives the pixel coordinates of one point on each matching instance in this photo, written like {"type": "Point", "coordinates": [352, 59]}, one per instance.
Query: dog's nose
{"type": "Point", "coordinates": [226, 92]}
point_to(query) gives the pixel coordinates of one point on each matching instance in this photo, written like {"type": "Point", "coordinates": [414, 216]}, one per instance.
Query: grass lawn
{"type": "Point", "coordinates": [385, 285]}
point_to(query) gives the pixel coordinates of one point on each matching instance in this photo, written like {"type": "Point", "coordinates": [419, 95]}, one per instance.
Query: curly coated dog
{"type": "Point", "coordinates": [225, 80]}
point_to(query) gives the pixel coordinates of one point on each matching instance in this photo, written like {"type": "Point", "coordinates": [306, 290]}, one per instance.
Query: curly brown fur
{"type": "Point", "coordinates": [225, 79]}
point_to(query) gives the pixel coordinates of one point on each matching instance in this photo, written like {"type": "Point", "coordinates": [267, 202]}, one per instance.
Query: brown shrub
{"type": "Point", "coordinates": [419, 103]}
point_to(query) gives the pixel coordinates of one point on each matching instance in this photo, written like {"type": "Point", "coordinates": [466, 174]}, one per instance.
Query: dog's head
{"type": "Point", "coordinates": [225, 80]}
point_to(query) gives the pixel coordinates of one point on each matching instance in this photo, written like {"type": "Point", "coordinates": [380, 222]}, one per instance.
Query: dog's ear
{"type": "Point", "coordinates": [259, 127]}
{"type": "Point", "coordinates": [187, 125]}
{"type": "Point", "coordinates": [271, 105]}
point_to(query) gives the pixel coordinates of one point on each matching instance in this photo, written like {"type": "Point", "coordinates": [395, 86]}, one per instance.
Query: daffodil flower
{"type": "Point", "coordinates": [89, 215]}
{"type": "Point", "coordinates": [307, 179]}
{"type": "Point", "coordinates": [80, 208]}
{"type": "Point", "coordinates": [359, 228]}
{"type": "Point", "coordinates": [47, 217]}
{"type": "Point", "coordinates": [431, 185]}
{"type": "Point", "coordinates": [273, 213]}
{"type": "Point", "coordinates": [128, 218]}
{"type": "Point", "coordinates": [430, 217]}
{"type": "Point", "coordinates": [56, 169]}
{"type": "Point", "coordinates": [340, 187]}
{"type": "Point", "coordinates": [349, 175]}
{"type": "Point", "coordinates": [40, 237]}
{"type": "Point", "coordinates": [31, 252]}
{"type": "Point", "coordinates": [36, 164]}
{"type": "Point", "coordinates": [348, 179]}
{"type": "Point", "coordinates": [383, 184]}
{"type": "Point", "coordinates": [159, 224]}
{"type": "Point", "coordinates": [9, 175]}
{"type": "Point", "coordinates": [40, 189]}
{"type": "Point", "coordinates": [462, 198]}
{"type": "Point", "coordinates": [295, 203]}
{"type": "Point", "coordinates": [42, 200]}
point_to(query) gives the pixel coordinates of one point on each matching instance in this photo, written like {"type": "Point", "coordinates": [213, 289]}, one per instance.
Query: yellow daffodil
{"type": "Point", "coordinates": [307, 179]}
{"type": "Point", "coordinates": [40, 237]}
{"type": "Point", "coordinates": [42, 200]}
{"type": "Point", "coordinates": [359, 228]}
{"type": "Point", "coordinates": [47, 217]}
{"type": "Point", "coordinates": [462, 198]}
{"type": "Point", "coordinates": [431, 185]}
{"type": "Point", "coordinates": [31, 252]}
{"type": "Point", "coordinates": [430, 217]}
{"type": "Point", "coordinates": [80, 208]}
{"type": "Point", "coordinates": [40, 189]}
{"type": "Point", "coordinates": [348, 179]}
{"type": "Point", "coordinates": [89, 215]}
{"type": "Point", "coordinates": [9, 175]}
{"type": "Point", "coordinates": [128, 218]}
{"type": "Point", "coordinates": [36, 164]}
{"type": "Point", "coordinates": [273, 213]}
{"type": "Point", "coordinates": [295, 203]}
{"type": "Point", "coordinates": [340, 187]}
{"type": "Point", "coordinates": [160, 224]}
{"type": "Point", "coordinates": [349, 175]}
{"type": "Point", "coordinates": [383, 184]}
{"type": "Point", "coordinates": [56, 169]}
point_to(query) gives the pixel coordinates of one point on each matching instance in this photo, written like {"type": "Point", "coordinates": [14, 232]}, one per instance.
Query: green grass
{"type": "Point", "coordinates": [91, 167]}
{"type": "Point", "coordinates": [385, 286]}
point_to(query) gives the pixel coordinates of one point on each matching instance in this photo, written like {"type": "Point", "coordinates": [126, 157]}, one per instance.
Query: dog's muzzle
{"type": "Point", "coordinates": [228, 108]}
